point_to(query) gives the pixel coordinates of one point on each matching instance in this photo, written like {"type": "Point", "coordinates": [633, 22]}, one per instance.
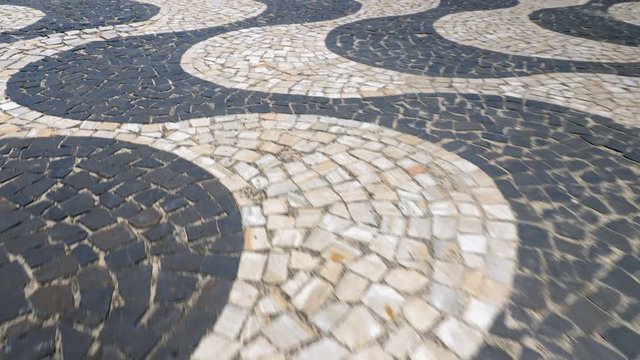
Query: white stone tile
{"type": "Point", "coordinates": [409, 281]}
{"type": "Point", "coordinates": [351, 287]}
{"type": "Point", "coordinates": [401, 341]}
{"type": "Point", "coordinates": [420, 315]}
{"type": "Point", "coordinates": [322, 350]}
{"type": "Point", "coordinates": [312, 295]}
{"type": "Point", "coordinates": [277, 268]}
{"type": "Point", "coordinates": [369, 266]}
{"type": "Point", "coordinates": [480, 314]}
{"type": "Point", "coordinates": [243, 294]}
{"type": "Point", "coordinates": [287, 332]}
{"type": "Point", "coordinates": [384, 301]}
{"type": "Point", "coordinates": [326, 319]}
{"type": "Point", "coordinates": [251, 266]}
{"type": "Point", "coordinates": [230, 322]}
{"type": "Point", "coordinates": [459, 338]}
{"type": "Point", "coordinates": [357, 329]}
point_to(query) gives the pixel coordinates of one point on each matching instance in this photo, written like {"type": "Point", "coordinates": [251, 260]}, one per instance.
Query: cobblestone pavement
{"type": "Point", "coordinates": [326, 179]}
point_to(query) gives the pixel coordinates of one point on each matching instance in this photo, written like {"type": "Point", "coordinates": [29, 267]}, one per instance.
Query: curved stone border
{"type": "Point", "coordinates": [353, 222]}
{"type": "Point", "coordinates": [579, 20]}
{"type": "Point", "coordinates": [14, 17]}
{"type": "Point", "coordinates": [325, 207]}
{"type": "Point", "coordinates": [510, 31]}
{"type": "Point", "coordinates": [627, 11]}
{"type": "Point", "coordinates": [116, 249]}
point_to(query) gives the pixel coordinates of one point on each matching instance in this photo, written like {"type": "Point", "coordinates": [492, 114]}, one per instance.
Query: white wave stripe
{"type": "Point", "coordinates": [293, 59]}
{"type": "Point", "coordinates": [627, 12]}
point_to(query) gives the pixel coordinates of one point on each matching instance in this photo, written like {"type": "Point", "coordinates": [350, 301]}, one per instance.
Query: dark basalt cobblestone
{"type": "Point", "coordinates": [95, 250]}
{"type": "Point", "coordinates": [66, 15]}
{"type": "Point", "coordinates": [411, 44]}
{"type": "Point", "coordinates": [590, 21]}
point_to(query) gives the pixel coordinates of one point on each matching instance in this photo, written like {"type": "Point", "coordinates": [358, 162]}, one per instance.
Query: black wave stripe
{"type": "Point", "coordinates": [67, 15]}
{"type": "Point", "coordinates": [589, 21]}
{"type": "Point", "coordinates": [411, 44]}
{"type": "Point", "coordinates": [130, 249]}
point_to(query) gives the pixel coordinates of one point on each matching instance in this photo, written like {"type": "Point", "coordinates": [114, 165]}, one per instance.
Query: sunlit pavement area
{"type": "Point", "coordinates": [320, 179]}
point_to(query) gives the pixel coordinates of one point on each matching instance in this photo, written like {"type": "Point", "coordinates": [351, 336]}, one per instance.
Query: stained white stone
{"type": "Point", "coordinates": [384, 301]}
{"type": "Point", "coordinates": [312, 295]}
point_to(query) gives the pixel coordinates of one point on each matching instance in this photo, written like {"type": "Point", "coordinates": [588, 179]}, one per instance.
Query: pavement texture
{"type": "Point", "coordinates": [320, 179]}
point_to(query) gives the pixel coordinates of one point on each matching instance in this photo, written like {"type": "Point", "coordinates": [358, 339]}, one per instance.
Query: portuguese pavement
{"type": "Point", "coordinates": [320, 179]}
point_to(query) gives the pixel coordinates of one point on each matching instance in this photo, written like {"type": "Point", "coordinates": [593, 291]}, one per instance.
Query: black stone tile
{"type": "Point", "coordinates": [145, 218]}
{"type": "Point", "coordinates": [84, 254]}
{"type": "Point", "coordinates": [43, 254]}
{"type": "Point", "coordinates": [221, 266]}
{"type": "Point", "coordinates": [58, 268]}
{"type": "Point", "coordinates": [623, 282]}
{"type": "Point", "coordinates": [208, 230]}
{"type": "Point", "coordinates": [51, 300]}
{"type": "Point", "coordinates": [134, 285]}
{"type": "Point", "coordinates": [75, 344]}
{"type": "Point", "coordinates": [172, 287]}
{"type": "Point", "coordinates": [78, 204]}
{"type": "Point", "coordinates": [587, 315]}
{"type": "Point", "coordinates": [205, 311]}
{"type": "Point", "coordinates": [97, 219]}
{"type": "Point", "coordinates": [13, 304]}
{"type": "Point", "coordinates": [625, 340]}
{"type": "Point", "coordinates": [112, 238]}
{"type": "Point", "coordinates": [492, 353]}
{"type": "Point", "coordinates": [126, 256]}
{"type": "Point", "coordinates": [35, 344]}
{"type": "Point", "coordinates": [528, 292]}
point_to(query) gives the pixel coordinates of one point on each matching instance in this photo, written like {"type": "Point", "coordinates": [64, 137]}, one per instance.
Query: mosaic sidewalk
{"type": "Point", "coordinates": [320, 179]}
